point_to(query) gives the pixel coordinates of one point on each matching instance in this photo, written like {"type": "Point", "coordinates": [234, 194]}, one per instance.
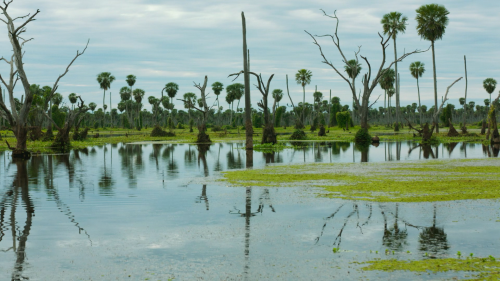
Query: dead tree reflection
{"type": "Point", "coordinates": [234, 160]}
{"type": "Point", "coordinates": [202, 152]}
{"type": "Point", "coordinates": [248, 214]}
{"type": "Point", "coordinates": [359, 223]}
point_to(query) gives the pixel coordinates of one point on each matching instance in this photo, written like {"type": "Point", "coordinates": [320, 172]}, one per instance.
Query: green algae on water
{"type": "Point", "coordinates": [417, 181]}
{"type": "Point", "coordinates": [480, 268]}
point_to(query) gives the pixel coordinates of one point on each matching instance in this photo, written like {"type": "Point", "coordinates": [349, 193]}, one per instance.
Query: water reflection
{"type": "Point", "coordinates": [161, 184]}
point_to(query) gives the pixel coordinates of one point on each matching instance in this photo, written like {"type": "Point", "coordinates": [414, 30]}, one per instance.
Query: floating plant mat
{"type": "Point", "coordinates": [475, 268]}
{"type": "Point", "coordinates": [412, 181]}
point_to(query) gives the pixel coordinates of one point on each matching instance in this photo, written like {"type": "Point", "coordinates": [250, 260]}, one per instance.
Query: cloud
{"type": "Point", "coordinates": [182, 41]}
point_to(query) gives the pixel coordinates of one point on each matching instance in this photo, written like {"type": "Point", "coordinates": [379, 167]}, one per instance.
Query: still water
{"type": "Point", "coordinates": [154, 212]}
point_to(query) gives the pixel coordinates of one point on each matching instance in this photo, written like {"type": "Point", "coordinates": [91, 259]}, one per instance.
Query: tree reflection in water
{"type": "Point", "coordinates": [394, 238]}
{"type": "Point", "coordinates": [202, 152]}
{"type": "Point", "coordinates": [234, 160]}
{"type": "Point", "coordinates": [433, 240]}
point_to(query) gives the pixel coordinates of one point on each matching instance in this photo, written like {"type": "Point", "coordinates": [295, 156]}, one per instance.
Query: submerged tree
{"type": "Point", "coordinates": [18, 118]}
{"type": "Point", "coordinates": [363, 103]}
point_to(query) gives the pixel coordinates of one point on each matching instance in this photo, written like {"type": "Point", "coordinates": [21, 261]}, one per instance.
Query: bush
{"type": "Point", "coordinates": [96, 125]}
{"type": "Point", "coordinates": [362, 136]}
{"type": "Point", "coordinates": [343, 118]}
{"type": "Point", "coordinates": [158, 132]}
{"type": "Point", "coordinates": [298, 135]}
{"type": "Point", "coordinates": [216, 128]}
{"type": "Point", "coordinates": [180, 126]}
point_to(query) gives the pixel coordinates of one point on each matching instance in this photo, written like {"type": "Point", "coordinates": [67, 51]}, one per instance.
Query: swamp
{"type": "Point", "coordinates": [187, 183]}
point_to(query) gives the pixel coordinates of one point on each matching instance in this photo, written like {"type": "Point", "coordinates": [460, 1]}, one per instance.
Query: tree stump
{"type": "Point", "coordinates": [321, 132]}
{"type": "Point", "coordinates": [483, 128]}
{"type": "Point", "coordinates": [269, 135]}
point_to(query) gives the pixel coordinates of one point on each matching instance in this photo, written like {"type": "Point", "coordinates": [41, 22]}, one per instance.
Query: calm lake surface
{"type": "Point", "coordinates": [145, 212]}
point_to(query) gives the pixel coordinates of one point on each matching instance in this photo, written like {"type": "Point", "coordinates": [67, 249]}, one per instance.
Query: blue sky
{"type": "Point", "coordinates": [182, 41]}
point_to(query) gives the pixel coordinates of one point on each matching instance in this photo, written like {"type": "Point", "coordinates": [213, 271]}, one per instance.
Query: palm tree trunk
{"type": "Point", "coordinates": [104, 110]}
{"type": "Point", "coordinates": [396, 128]}
{"type": "Point", "coordinates": [304, 106]}
{"type": "Point", "coordinates": [435, 87]}
{"type": "Point", "coordinates": [419, 105]}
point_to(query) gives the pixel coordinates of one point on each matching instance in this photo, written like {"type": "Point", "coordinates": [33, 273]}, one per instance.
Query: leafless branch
{"type": "Point", "coordinates": [15, 33]}
{"type": "Point", "coordinates": [445, 98]}
{"type": "Point", "coordinates": [374, 102]}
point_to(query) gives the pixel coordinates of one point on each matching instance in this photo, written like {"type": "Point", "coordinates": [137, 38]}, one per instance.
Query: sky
{"type": "Point", "coordinates": [182, 41]}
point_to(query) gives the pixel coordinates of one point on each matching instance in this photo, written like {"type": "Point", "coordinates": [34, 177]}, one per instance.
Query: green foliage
{"type": "Point", "coordinates": [269, 147]}
{"type": "Point", "coordinates": [216, 128]}
{"type": "Point", "coordinates": [158, 132]}
{"type": "Point", "coordinates": [298, 135]}
{"type": "Point", "coordinates": [447, 113]}
{"type": "Point", "coordinates": [180, 126]}
{"type": "Point", "coordinates": [343, 118]}
{"type": "Point", "coordinates": [58, 116]}
{"type": "Point", "coordinates": [279, 114]}
{"type": "Point", "coordinates": [336, 107]}
{"type": "Point", "coordinates": [362, 136]}
{"type": "Point", "coordinates": [125, 122]}
{"type": "Point", "coordinates": [96, 125]}
{"type": "Point", "coordinates": [170, 123]}
{"type": "Point", "coordinates": [257, 120]}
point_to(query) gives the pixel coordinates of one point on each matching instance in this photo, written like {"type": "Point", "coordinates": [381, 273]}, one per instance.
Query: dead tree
{"type": "Point", "coordinates": [268, 135]}
{"type": "Point", "coordinates": [73, 119]}
{"type": "Point", "coordinates": [18, 120]}
{"type": "Point", "coordinates": [364, 103]}
{"type": "Point", "coordinates": [202, 124]}
{"type": "Point", "coordinates": [425, 132]}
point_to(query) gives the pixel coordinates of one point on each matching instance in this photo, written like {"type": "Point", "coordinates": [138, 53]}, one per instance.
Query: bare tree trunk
{"type": "Point", "coordinates": [248, 110]}
{"type": "Point", "coordinates": [435, 88]}
{"type": "Point", "coordinates": [396, 128]}
{"type": "Point", "coordinates": [464, 127]}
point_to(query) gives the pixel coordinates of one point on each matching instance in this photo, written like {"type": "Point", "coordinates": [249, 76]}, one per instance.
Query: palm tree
{"type": "Point", "coordinates": [92, 106]}
{"type": "Point", "coordinates": [386, 82]}
{"type": "Point", "coordinates": [138, 95]}
{"type": "Point", "coordinates": [489, 84]}
{"type": "Point", "coordinates": [189, 99]}
{"type": "Point", "coordinates": [171, 88]}
{"type": "Point", "coordinates": [73, 98]}
{"type": "Point", "coordinates": [217, 87]}
{"type": "Point", "coordinates": [131, 81]}
{"type": "Point", "coordinates": [105, 79]}
{"type": "Point", "coordinates": [432, 20]}
{"type": "Point", "coordinates": [352, 68]}
{"type": "Point", "coordinates": [394, 23]}
{"type": "Point", "coordinates": [57, 99]}
{"type": "Point", "coordinates": [417, 69]}
{"type": "Point", "coordinates": [303, 77]}
{"type": "Point", "coordinates": [277, 95]}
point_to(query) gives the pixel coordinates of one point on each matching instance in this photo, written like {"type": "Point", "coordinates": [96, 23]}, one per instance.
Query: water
{"type": "Point", "coordinates": [143, 212]}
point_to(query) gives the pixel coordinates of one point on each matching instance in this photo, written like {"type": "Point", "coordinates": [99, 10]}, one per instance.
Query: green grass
{"type": "Point", "coordinates": [183, 136]}
{"type": "Point", "coordinates": [479, 268]}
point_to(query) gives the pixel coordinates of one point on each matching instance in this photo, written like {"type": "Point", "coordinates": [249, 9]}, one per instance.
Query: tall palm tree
{"type": "Point", "coordinates": [386, 81]}
{"type": "Point", "coordinates": [171, 88]}
{"type": "Point", "coordinates": [105, 79]}
{"type": "Point", "coordinates": [394, 23]}
{"type": "Point", "coordinates": [277, 95]}
{"type": "Point", "coordinates": [303, 77]}
{"type": "Point", "coordinates": [432, 20]}
{"type": "Point", "coordinates": [131, 80]}
{"type": "Point", "coordinates": [489, 84]}
{"type": "Point", "coordinates": [352, 68]}
{"type": "Point", "coordinates": [138, 95]}
{"type": "Point", "coordinates": [417, 69]}
{"type": "Point", "coordinates": [217, 87]}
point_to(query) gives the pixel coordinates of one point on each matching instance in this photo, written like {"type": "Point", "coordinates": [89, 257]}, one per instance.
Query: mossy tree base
{"type": "Point", "coordinates": [269, 135]}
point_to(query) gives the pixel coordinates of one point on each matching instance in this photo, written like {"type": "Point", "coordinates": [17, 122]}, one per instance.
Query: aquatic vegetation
{"type": "Point", "coordinates": [418, 181]}
{"type": "Point", "coordinates": [481, 268]}
{"type": "Point", "coordinates": [270, 147]}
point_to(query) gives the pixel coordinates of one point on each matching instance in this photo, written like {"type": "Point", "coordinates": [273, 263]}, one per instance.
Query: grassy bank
{"type": "Point", "coordinates": [118, 135]}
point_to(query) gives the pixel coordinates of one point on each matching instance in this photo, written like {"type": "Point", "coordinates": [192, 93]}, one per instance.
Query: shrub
{"type": "Point", "coordinates": [343, 118]}
{"type": "Point", "coordinates": [158, 132]}
{"type": "Point", "coordinates": [362, 136]}
{"type": "Point", "coordinates": [180, 126]}
{"type": "Point", "coordinates": [216, 128]}
{"type": "Point", "coordinates": [298, 135]}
